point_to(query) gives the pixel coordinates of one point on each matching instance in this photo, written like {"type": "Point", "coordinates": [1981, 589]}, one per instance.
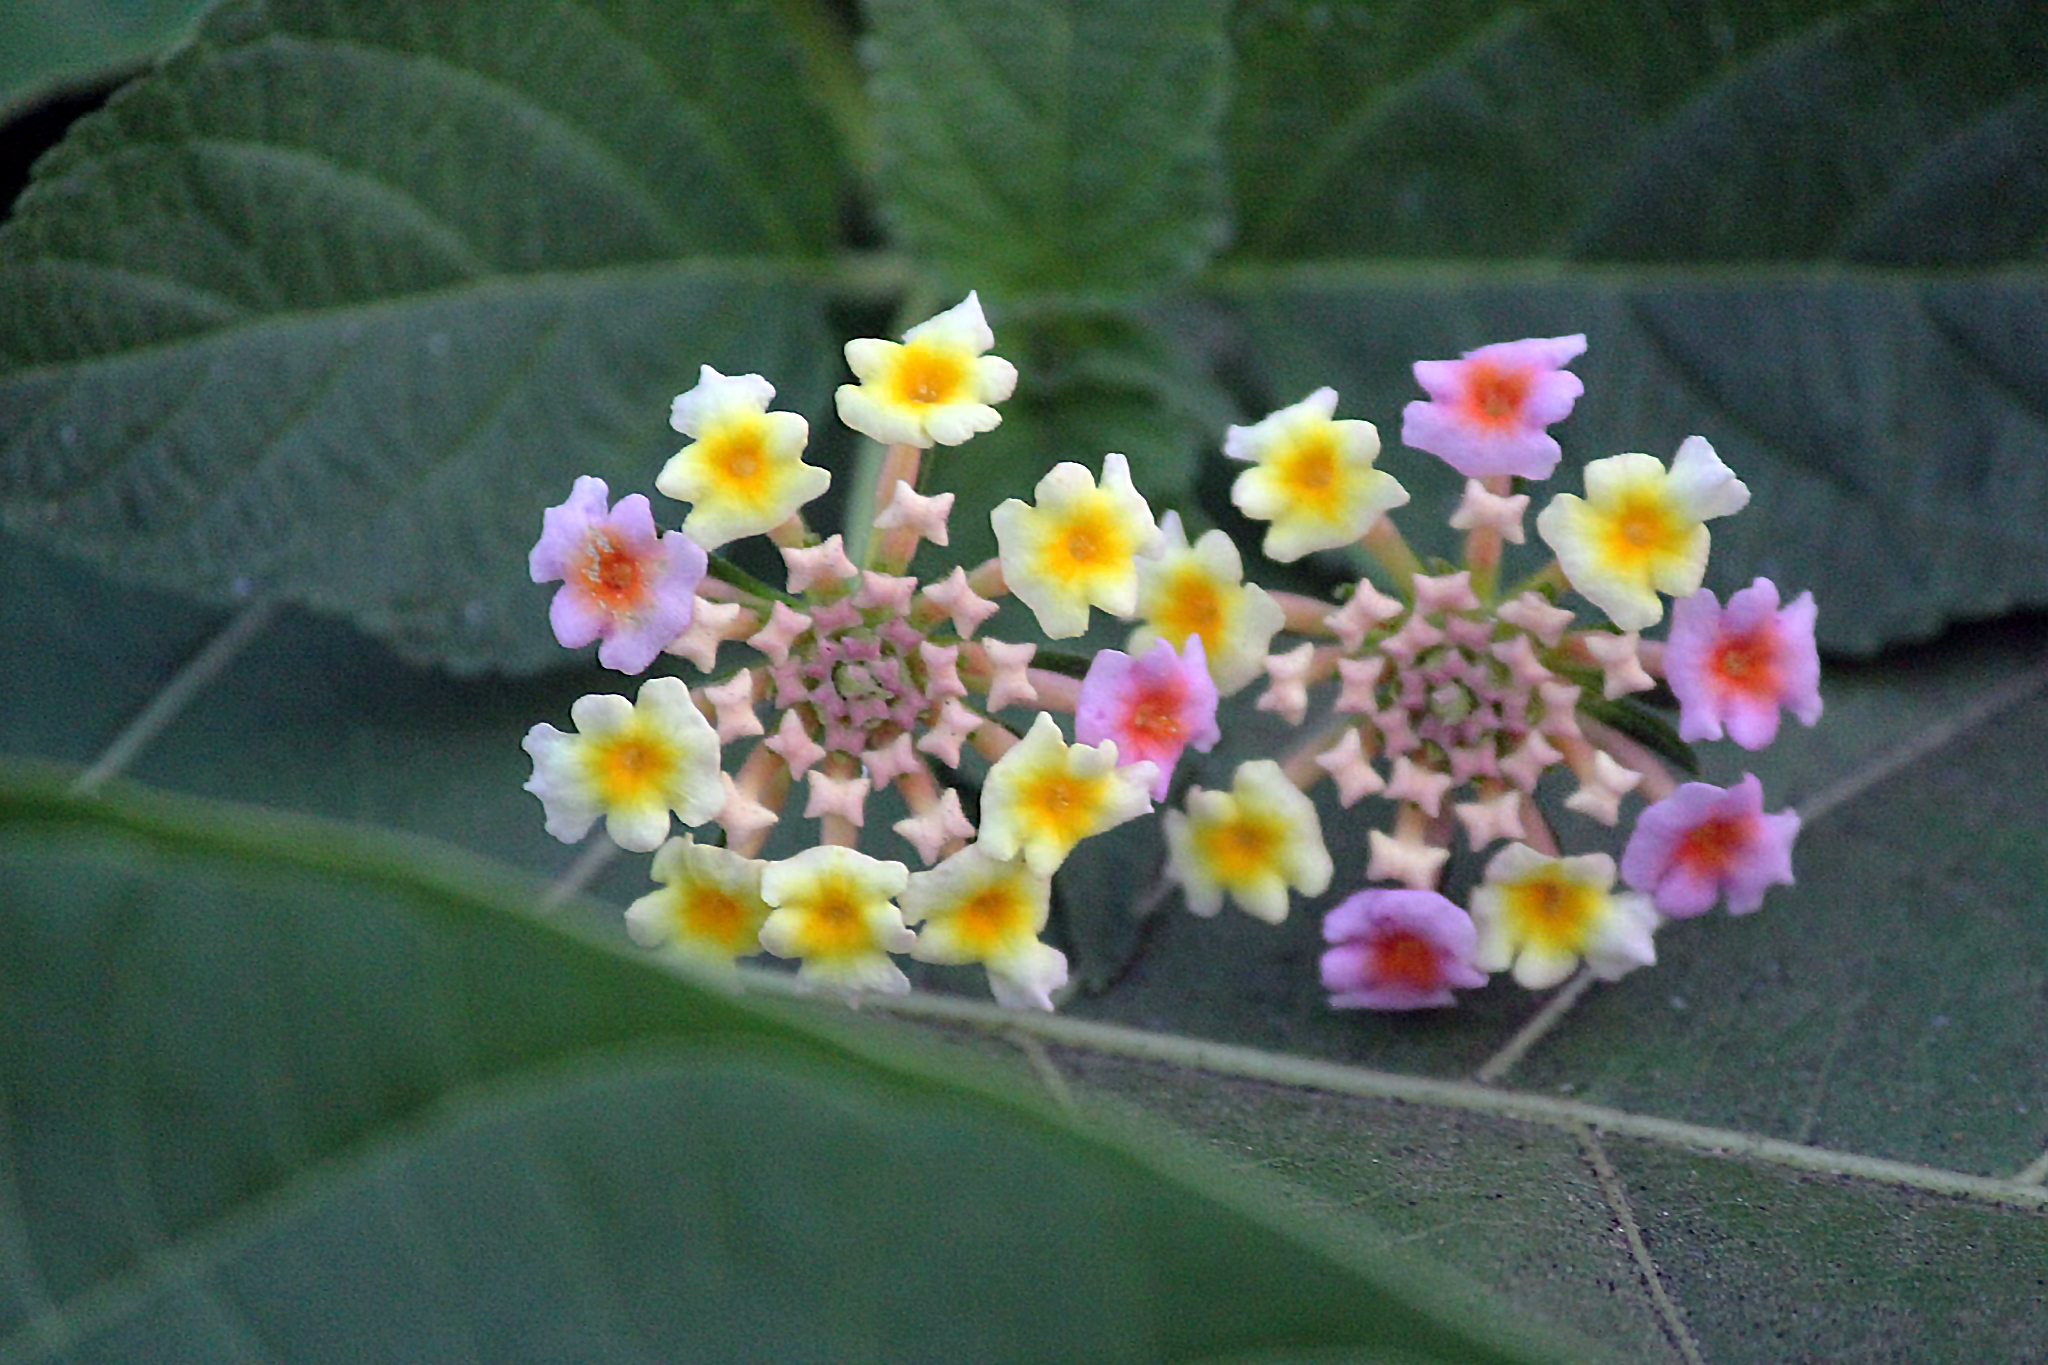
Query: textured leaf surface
{"type": "Point", "coordinates": [1054, 145]}
{"type": "Point", "coordinates": [48, 44]}
{"type": "Point", "coordinates": [338, 301]}
{"type": "Point", "coordinates": [257, 1076]}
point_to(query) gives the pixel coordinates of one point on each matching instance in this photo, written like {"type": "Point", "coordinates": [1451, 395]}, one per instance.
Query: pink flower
{"type": "Point", "coordinates": [1486, 413]}
{"type": "Point", "coordinates": [1734, 667]}
{"type": "Point", "coordinates": [1397, 950]}
{"type": "Point", "coordinates": [1153, 707]}
{"type": "Point", "coordinates": [1702, 842]}
{"type": "Point", "coordinates": [620, 582]}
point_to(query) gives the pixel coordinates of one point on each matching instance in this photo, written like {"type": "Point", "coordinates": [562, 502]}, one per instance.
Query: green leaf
{"type": "Point", "coordinates": [1644, 726]}
{"type": "Point", "coordinates": [334, 304]}
{"type": "Point", "coordinates": [1809, 232]}
{"type": "Point", "coordinates": [274, 1086]}
{"type": "Point", "coordinates": [1051, 146]}
{"type": "Point", "coordinates": [46, 45]}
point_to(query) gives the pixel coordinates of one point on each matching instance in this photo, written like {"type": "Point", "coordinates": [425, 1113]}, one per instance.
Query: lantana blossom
{"type": "Point", "coordinates": [1076, 545]}
{"type": "Point", "coordinates": [974, 907]}
{"type": "Point", "coordinates": [1198, 592]}
{"type": "Point", "coordinates": [708, 905]}
{"type": "Point", "coordinates": [1312, 477]}
{"type": "Point", "coordinates": [1732, 668]}
{"type": "Point", "coordinates": [1641, 529]}
{"type": "Point", "coordinates": [1154, 706]}
{"type": "Point", "coordinates": [1486, 413]}
{"type": "Point", "coordinates": [622, 583]}
{"type": "Point", "coordinates": [1045, 795]}
{"type": "Point", "coordinates": [633, 762]}
{"type": "Point", "coordinates": [834, 909]}
{"type": "Point", "coordinates": [1539, 915]}
{"type": "Point", "coordinates": [938, 386]}
{"type": "Point", "coordinates": [1704, 842]}
{"type": "Point", "coordinates": [743, 474]}
{"type": "Point", "coordinates": [1253, 843]}
{"type": "Point", "coordinates": [1397, 950]}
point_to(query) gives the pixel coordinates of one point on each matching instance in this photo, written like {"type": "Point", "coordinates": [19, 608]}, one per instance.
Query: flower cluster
{"type": "Point", "coordinates": [862, 679]}
{"type": "Point", "coordinates": [1455, 695]}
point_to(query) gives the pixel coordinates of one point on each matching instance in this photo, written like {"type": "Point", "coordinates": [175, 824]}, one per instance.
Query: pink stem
{"type": "Point", "coordinates": [1304, 615]}
{"type": "Point", "coordinates": [1056, 691]}
{"type": "Point", "coordinates": [891, 550]}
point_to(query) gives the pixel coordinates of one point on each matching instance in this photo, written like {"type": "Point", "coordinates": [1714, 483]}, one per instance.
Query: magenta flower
{"type": "Point", "coordinates": [1486, 413]}
{"type": "Point", "coordinates": [1733, 668]}
{"type": "Point", "coordinates": [1153, 706]}
{"type": "Point", "coordinates": [621, 582]}
{"type": "Point", "coordinates": [1703, 842]}
{"type": "Point", "coordinates": [1397, 950]}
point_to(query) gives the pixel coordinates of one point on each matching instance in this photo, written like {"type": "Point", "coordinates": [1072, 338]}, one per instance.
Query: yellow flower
{"type": "Point", "coordinates": [832, 907]}
{"type": "Point", "coordinates": [709, 905]}
{"type": "Point", "coordinates": [1046, 795]}
{"type": "Point", "coordinates": [1639, 530]}
{"type": "Point", "coordinates": [978, 908]}
{"type": "Point", "coordinates": [1312, 477]}
{"type": "Point", "coordinates": [937, 386]}
{"type": "Point", "coordinates": [631, 762]}
{"type": "Point", "coordinates": [1540, 915]}
{"type": "Point", "coordinates": [1200, 591]}
{"type": "Point", "coordinates": [1077, 546]}
{"type": "Point", "coordinates": [1254, 841]}
{"type": "Point", "coordinates": [744, 473]}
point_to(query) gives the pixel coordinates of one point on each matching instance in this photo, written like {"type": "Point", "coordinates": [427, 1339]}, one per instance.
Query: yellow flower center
{"type": "Point", "coordinates": [834, 925]}
{"type": "Point", "coordinates": [990, 917]}
{"type": "Point", "coordinates": [711, 914]}
{"type": "Point", "coordinates": [1086, 543]}
{"type": "Point", "coordinates": [1312, 472]}
{"type": "Point", "coordinates": [631, 767]}
{"type": "Point", "coordinates": [1063, 804]}
{"type": "Point", "coordinates": [1240, 848]}
{"type": "Point", "coordinates": [1552, 911]}
{"type": "Point", "coordinates": [927, 375]}
{"type": "Point", "coordinates": [1190, 605]}
{"type": "Point", "coordinates": [1640, 529]}
{"type": "Point", "coordinates": [735, 456]}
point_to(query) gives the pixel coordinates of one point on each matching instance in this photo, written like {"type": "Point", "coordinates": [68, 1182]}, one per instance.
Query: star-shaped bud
{"type": "Point", "coordinates": [890, 592]}
{"type": "Point", "coordinates": [944, 739]}
{"type": "Point", "coordinates": [1287, 694]}
{"type": "Point", "coordinates": [1010, 678]}
{"type": "Point", "coordinates": [1480, 510]}
{"type": "Point", "coordinates": [1445, 592]}
{"type": "Point", "coordinates": [910, 510]}
{"type": "Point", "coordinates": [825, 562]}
{"type": "Point", "coordinates": [1347, 763]}
{"type": "Point", "coordinates": [1367, 608]}
{"type": "Point", "coordinates": [795, 744]}
{"type": "Point", "coordinates": [790, 684]}
{"type": "Point", "coordinates": [741, 816]}
{"type": "Point", "coordinates": [785, 623]}
{"type": "Point", "coordinates": [1408, 861]}
{"type": "Point", "coordinates": [938, 824]}
{"type": "Point", "coordinates": [887, 762]}
{"type": "Point", "coordinates": [1619, 662]}
{"type": "Point", "coordinates": [1414, 636]}
{"type": "Point", "coordinates": [1397, 736]}
{"type": "Point", "coordinates": [1423, 786]}
{"type": "Point", "coordinates": [709, 622]}
{"type": "Point", "coordinates": [941, 670]}
{"type": "Point", "coordinates": [1474, 760]}
{"type": "Point", "coordinates": [845, 797]}
{"type": "Point", "coordinates": [1361, 679]}
{"type": "Point", "coordinates": [967, 608]}
{"type": "Point", "coordinates": [1520, 656]}
{"type": "Point", "coordinates": [836, 616]}
{"type": "Point", "coordinates": [1527, 762]}
{"type": "Point", "coordinates": [1493, 817]}
{"type": "Point", "coordinates": [1560, 709]}
{"type": "Point", "coordinates": [1602, 784]}
{"type": "Point", "coordinates": [1532, 612]}
{"type": "Point", "coordinates": [734, 701]}
{"type": "Point", "coordinates": [1470, 632]}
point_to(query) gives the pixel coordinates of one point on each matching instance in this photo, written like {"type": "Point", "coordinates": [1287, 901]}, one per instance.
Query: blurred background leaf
{"type": "Point", "coordinates": [50, 45]}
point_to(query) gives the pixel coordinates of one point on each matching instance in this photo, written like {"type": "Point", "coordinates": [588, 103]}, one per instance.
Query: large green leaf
{"type": "Point", "coordinates": [46, 45]}
{"type": "Point", "coordinates": [277, 1088]}
{"type": "Point", "coordinates": [337, 301]}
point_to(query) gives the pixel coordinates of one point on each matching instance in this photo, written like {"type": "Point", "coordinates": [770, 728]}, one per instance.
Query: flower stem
{"type": "Point", "coordinates": [1482, 544]}
{"type": "Point", "coordinates": [1385, 543]}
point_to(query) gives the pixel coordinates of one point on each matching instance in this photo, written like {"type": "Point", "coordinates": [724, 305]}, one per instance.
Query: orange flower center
{"type": "Point", "coordinates": [613, 576]}
{"type": "Point", "coordinates": [1156, 715]}
{"type": "Point", "coordinates": [1493, 396]}
{"type": "Point", "coordinates": [1747, 664]}
{"type": "Point", "coordinates": [1711, 847]}
{"type": "Point", "coordinates": [1408, 960]}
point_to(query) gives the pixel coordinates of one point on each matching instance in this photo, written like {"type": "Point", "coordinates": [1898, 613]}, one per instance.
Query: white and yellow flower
{"type": "Point", "coordinates": [1540, 915]}
{"type": "Point", "coordinates": [743, 474]}
{"type": "Point", "coordinates": [974, 907]}
{"type": "Point", "coordinates": [708, 906]}
{"type": "Point", "coordinates": [834, 908]}
{"type": "Point", "coordinates": [1046, 795]}
{"type": "Point", "coordinates": [1077, 545]}
{"type": "Point", "coordinates": [935, 387]}
{"type": "Point", "coordinates": [1199, 591]}
{"type": "Point", "coordinates": [1640, 529]}
{"type": "Point", "coordinates": [1312, 477]}
{"type": "Point", "coordinates": [1253, 842]}
{"type": "Point", "coordinates": [632, 762]}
